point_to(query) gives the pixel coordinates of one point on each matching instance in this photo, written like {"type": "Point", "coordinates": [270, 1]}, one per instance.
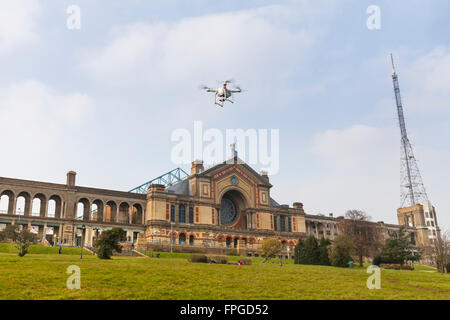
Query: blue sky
{"type": "Point", "coordinates": [104, 100]}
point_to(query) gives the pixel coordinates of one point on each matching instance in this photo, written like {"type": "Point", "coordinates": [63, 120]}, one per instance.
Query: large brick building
{"type": "Point", "coordinates": [226, 207]}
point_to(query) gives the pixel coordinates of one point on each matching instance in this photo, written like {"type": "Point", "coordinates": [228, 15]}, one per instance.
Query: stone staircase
{"type": "Point", "coordinates": [128, 250]}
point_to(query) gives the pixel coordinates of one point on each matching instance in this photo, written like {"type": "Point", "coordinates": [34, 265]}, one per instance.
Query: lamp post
{"type": "Point", "coordinates": [83, 227]}
{"type": "Point", "coordinates": [171, 237]}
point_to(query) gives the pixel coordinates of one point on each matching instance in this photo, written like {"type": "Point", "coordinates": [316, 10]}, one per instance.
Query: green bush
{"type": "Point", "coordinates": [233, 253]}
{"type": "Point", "coordinates": [396, 266]}
{"type": "Point", "coordinates": [108, 242]}
{"type": "Point", "coordinates": [376, 261]}
{"type": "Point", "coordinates": [196, 257]}
{"type": "Point", "coordinates": [309, 252]}
{"type": "Point", "coordinates": [340, 251]}
{"type": "Point", "coordinates": [220, 259]}
{"type": "Point", "coordinates": [324, 259]}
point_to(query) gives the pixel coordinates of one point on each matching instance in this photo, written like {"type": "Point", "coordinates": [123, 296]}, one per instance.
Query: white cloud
{"type": "Point", "coordinates": [357, 146]}
{"type": "Point", "coordinates": [36, 120]}
{"type": "Point", "coordinates": [359, 167]}
{"type": "Point", "coordinates": [258, 43]}
{"type": "Point", "coordinates": [18, 22]}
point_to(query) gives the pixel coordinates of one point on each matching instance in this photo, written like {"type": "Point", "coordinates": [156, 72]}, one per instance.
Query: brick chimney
{"type": "Point", "coordinates": [264, 175]}
{"type": "Point", "coordinates": [197, 167]}
{"type": "Point", "coordinates": [297, 205]}
{"type": "Point", "coordinates": [71, 175]}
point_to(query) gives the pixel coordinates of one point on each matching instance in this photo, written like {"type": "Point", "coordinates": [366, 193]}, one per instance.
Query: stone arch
{"type": "Point", "coordinates": [182, 238]}
{"type": "Point", "coordinates": [228, 241]}
{"type": "Point", "coordinates": [246, 197]}
{"type": "Point", "coordinates": [124, 208]}
{"type": "Point", "coordinates": [191, 239]}
{"type": "Point", "coordinates": [235, 242]}
{"type": "Point", "coordinates": [7, 202]}
{"type": "Point", "coordinates": [83, 209]}
{"type": "Point", "coordinates": [39, 205]}
{"type": "Point", "coordinates": [97, 210]}
{"type": "Point", "coordinates": [54, 206]}
{"type": "Point", "coordinates": [233, 200]}
{"type": "Point", "coordinates": [23, 204]}
{"type": "Point", "coordinates": [136, 214]}
{"type": "Point", "coordinates": [110, 211]}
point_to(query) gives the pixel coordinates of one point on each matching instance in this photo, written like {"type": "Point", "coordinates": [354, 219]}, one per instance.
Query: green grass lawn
{"type": "Point", "coordinates": [40, 249]}
{"type": "Point", "coordinates": [43, 276]}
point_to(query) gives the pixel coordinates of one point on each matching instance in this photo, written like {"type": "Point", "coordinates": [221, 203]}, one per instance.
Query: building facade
{"type": "Point", "coordinates": [226, 207]}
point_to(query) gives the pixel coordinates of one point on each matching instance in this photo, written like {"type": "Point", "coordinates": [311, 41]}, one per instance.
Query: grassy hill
{"type": "Point", "coordinates": [43, 276]}
{"type": "Point", "coordinates": [40, 249]}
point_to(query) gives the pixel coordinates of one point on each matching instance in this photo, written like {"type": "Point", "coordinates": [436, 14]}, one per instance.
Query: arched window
{"type": "Point", "coordinates": [110, 211]}
{"type": "Point", "coordinates": [51, 211]}
{"type": "Point", "coordinates": [83, 209]}
{"type": "Point", "coordinates": [36, 207]}
{"type": "Point", "coordinates": [228, 242]}
{"type": "Point", "coordinates": [6, 202]}
{"type": "Point", "coordinates": [80, 210]}
{"type": "Point", "coordinates": [172, 213]}
{"type": "Point", "coordinates": [191, 240]}
{"type": "Point", "coordinates": [182, 238]}
{"type": "Point", "coordinates": [182, 214]}
{"type": "Point", "coordinates": [191, 215]}
{"type": "Point", "coordinates": [236, 242]}
{"type": "Point", "coordinates": [54, 207]}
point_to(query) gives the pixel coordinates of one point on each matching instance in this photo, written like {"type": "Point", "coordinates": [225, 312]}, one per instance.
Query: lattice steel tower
{"type": "Point", "coordinates": [412, 190]}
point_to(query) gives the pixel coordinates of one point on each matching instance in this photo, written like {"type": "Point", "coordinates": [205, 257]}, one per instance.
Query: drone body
{"type": "Point", "coordinates": [223, 94]}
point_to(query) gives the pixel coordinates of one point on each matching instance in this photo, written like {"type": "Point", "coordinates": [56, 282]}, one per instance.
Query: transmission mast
{"type": "Point", "coordinates": [412, 190]}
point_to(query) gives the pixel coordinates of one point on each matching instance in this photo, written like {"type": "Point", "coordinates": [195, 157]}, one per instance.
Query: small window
{"type": "Point", "coordinates": [172, 213]}
{"type": "Point", "coordinates": [182, 213]}
{"type": "Point", "coordinates": [431, 215]}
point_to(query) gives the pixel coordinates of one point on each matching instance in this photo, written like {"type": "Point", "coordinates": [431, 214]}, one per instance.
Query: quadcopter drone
{"type": "Point", "coordinates": [223, 94]}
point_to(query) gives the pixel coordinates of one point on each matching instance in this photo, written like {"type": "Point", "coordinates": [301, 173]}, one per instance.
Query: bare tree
{"type": "Point", "coordinates": [363, 234]}
{"type": "Point", "coordinates": [441, 252]}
